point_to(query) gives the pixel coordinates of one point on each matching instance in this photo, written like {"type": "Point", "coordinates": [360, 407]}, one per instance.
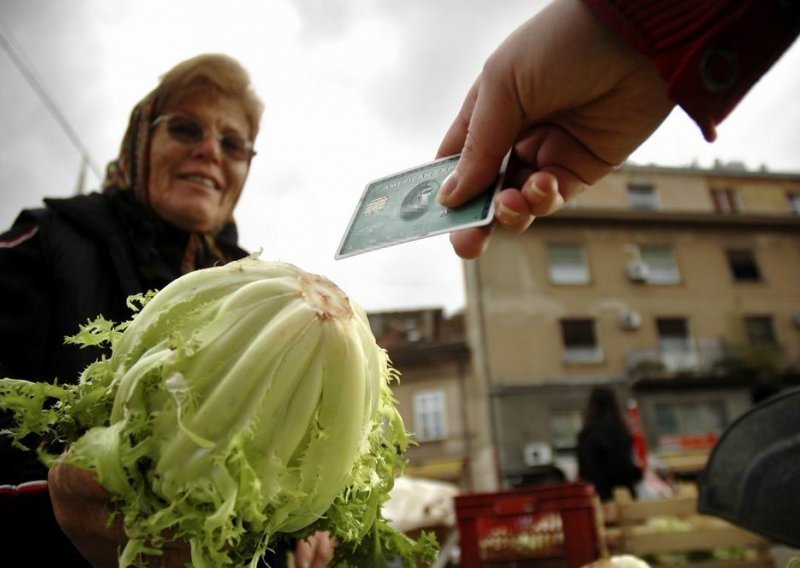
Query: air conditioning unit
{"type": "Point", "coordinates": [537, 453]}
{"type": "Point", "coordinates": [638, 271]}
{"type": "Point", "coordinates": [630, 320]}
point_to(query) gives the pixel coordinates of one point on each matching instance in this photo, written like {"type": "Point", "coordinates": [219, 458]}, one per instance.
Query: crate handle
{"type": "Point", "coordinates": [515, 507]}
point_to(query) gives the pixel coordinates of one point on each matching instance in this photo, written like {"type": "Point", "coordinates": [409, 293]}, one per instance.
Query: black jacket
{"type": "Point", "coordinates": [606, 459]}
{"type": "Point", "coordinates": [61, 266]}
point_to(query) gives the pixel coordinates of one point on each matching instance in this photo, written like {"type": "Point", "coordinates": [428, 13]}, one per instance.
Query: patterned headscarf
{"type": "Point", "coordinates": [131, 171]}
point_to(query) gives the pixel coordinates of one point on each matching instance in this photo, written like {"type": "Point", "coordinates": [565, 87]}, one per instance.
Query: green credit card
{"type": "Point", "coordinates": [402, 207]}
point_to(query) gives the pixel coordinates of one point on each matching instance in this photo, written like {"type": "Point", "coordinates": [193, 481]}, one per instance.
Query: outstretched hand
{"type": "Point", "coordinates": [571, 101]}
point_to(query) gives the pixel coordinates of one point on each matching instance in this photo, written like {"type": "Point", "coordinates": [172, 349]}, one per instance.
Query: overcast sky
{"type": "Point", "coordinates": [354, 90]}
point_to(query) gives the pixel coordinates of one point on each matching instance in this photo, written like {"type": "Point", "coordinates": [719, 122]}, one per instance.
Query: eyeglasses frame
{"type": "Point", "coordinates": [166, 117]}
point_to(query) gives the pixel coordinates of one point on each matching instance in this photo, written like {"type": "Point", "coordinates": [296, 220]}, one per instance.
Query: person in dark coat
{"type": "Point", "coordinates": [605, 446]}
{"type": "Point", "coordinates": [166, 209]}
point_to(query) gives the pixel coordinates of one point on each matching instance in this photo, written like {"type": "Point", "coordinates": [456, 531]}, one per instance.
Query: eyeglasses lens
{"type": "Point", "coordinates": [235, 146]}
{"type": "Point", "coordinates": [185, 130]}
{"type": "Point", "coordinates": [191, 132]}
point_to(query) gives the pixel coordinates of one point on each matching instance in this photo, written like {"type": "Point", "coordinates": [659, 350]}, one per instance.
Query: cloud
{"type": "Point", "coordinates": [324, 20]}
{"type": "Point", "coordinates": [443, 45]}
{"type": "Point", "coordinates": [761, 130]}
{"type": "Point", "coordinates": [38, 156]}
{"type": "Point", "coordinates": [354, 91]}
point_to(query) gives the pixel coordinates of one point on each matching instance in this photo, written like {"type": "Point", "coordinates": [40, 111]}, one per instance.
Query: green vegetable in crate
{"type": "Point", "coordinates": [241, 403]}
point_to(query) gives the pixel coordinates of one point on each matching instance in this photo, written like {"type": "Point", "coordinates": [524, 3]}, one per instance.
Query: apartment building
{"type": "Point", "coordinates": [429, 350]}
{"type": "Point", "coordinates": [679, 286]}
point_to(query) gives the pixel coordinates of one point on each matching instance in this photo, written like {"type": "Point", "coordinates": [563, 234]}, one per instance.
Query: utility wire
{"type": "Point", "coordinates": [15, 52]}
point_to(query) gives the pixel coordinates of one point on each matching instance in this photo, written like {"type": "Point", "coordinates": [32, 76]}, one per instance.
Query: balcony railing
{"type": "Point", "coordinates": [712, 356]}
{"type": "Point", "coordinates": [698, 356]}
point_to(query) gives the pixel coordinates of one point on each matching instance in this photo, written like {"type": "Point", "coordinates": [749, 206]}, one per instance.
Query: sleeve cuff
{"type": "Point", "coordinates": [710, 54]}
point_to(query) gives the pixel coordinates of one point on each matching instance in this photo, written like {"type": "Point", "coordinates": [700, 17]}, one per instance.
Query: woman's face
{"type": "Point", "coordinates": [196, 186]}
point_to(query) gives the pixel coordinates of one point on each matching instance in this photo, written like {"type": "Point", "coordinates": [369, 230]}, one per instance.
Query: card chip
{"type": "Point", "coordinates": [376, 205]}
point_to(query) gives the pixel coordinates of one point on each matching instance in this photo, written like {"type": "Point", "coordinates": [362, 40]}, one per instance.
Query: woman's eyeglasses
{"type": "Point", "coordinates": [190, 131]}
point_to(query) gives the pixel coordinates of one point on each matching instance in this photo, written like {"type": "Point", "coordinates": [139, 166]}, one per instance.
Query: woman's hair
{"type": "Point", "coordinates": [210, 74]}
{"type": "Point", "coordinates": [603, 406]}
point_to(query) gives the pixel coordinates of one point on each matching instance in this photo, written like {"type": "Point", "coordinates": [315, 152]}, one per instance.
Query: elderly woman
{"type": "Point", "coordinates": [166, 209]}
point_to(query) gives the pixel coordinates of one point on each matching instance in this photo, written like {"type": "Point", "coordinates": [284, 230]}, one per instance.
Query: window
{"type": "Point", "coordinates": [643, 197]}
{"type": "Point", "coordinates": [794, 203]}
{"type": "Point", "coordinates": [743, 265]}
{"type": "Point", "coordinates": [580, 341]}
{"type": "Point", "coordinates": [684, 419]}
{"type": "Point", "coordinates": [430, 418]}
{"type": "Point", "coordinates": [662, 268]}
{"type": "Point", "coordinates": [677, 350]}
{"type": "Point", "coordinates": [760, 330]}
{"type": "Point", "coordinates": [673, 335]}
{"type": "Point", "coordinates": [565, 427]}
{"type": "Point", "coordinates": [725, 200]}
{"type": "Point", "coordinates": [568, 264]}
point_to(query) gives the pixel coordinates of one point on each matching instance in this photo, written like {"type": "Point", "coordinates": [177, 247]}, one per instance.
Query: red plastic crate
{"type": "Point", "coordinates": [548, 524]}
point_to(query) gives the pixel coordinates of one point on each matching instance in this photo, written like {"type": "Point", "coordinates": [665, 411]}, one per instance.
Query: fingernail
{"type": "Point", "coordinates": [447, 188]}
{"type": "Point", "coordinates": [535, 191]}
{"type": "Point", "coordinates": [507, 215]}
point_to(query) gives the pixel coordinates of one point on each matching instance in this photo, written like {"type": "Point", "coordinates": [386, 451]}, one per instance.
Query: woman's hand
{"type": "Point", "coordinates": [315, 551]}
{"type": "Point", "coordinates": [571, 100]}
{"type": "Point", "coordinates": [81, 506]}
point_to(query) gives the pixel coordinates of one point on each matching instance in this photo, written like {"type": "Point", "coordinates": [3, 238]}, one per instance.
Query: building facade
{"type": "Point", "coordinates": [678, 286]}
{"type": "Point", "coordinates": [430, 352]}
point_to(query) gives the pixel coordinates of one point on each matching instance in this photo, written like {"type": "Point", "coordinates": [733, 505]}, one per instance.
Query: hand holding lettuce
{"type": "Point", "coordinates": [242, 403]}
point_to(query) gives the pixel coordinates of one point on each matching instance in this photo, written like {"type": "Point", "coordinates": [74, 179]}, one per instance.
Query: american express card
{"type": "Point", "coordinates": [402, 207]}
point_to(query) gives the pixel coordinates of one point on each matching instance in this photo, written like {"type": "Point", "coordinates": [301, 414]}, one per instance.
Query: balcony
{"type": "Point", "coordinates": [698, 356]}
{"type": "Point", "coordinates": [712, 356]}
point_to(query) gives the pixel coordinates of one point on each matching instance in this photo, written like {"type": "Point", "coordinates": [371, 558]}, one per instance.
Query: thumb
{"type": "Point", "coordinates": [488, 125]}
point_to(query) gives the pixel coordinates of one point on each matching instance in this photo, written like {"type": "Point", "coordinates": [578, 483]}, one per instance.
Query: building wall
{"type": "Point", "coordinates": [688, 189]}
{"type": "Point", "coordinates": [513, 309]}
{"type": "Point", "coordinates": [449, 377]}
{"type": "Point", "coordinates": [522, 308]}
{"type": "Point", "coordinates": [681, 192]}
{"type": "Point", "coordinates": [430, 353]}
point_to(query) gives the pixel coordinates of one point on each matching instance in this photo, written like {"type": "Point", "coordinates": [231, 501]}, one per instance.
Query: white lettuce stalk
{"type": "Point", "coordinates": [242, 403]}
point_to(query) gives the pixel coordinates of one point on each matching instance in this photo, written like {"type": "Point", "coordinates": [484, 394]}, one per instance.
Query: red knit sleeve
{"type": "Point", "coordinates": [710, 53]}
